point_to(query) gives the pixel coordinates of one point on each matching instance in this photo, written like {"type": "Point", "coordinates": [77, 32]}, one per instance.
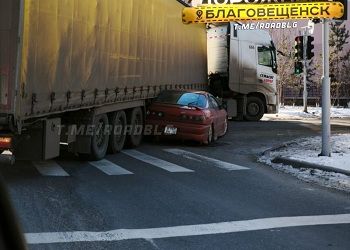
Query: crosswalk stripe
{"type": "Point", "coordinates": [168, 166]}
{"type": "Point", "coordinates": [50, 168]}
{"type": "Point", "coordinates": [109, 168]}
{"type": "Point", "coordinates": [215, 162]}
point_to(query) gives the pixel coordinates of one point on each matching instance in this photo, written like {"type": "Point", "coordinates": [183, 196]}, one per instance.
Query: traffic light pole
{"type": "Point", "coordinates": [305, 37]}
{"type": "Point", "coordinates": [326, 93]}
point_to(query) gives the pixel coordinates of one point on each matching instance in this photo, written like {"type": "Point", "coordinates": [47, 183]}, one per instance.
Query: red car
{"type": "Point", "coordinates": [188, 115]}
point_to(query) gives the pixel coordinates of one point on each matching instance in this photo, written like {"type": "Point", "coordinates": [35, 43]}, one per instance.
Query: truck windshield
{"type": "Point", "coordinates": [265, 56]}
{"type": "Point", "coordinates": [182, 98]}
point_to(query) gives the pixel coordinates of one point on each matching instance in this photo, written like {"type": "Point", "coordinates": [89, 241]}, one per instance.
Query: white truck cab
{"type": "Point", "coordinates": [242, 70]}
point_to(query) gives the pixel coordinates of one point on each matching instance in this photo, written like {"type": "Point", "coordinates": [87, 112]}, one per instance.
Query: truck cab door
{"type": "Point", "coordinates": [248, 63]}
{"type": "Point", "coordinates": [265, 64]}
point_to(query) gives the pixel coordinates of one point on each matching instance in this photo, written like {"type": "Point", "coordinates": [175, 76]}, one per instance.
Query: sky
{"type": "Point", "coordinates": [317, 31]}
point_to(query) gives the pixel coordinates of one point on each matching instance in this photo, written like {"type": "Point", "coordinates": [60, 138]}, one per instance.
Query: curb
{"type": "Point", "coordinates": [304, 164]}
{"type": "Point", "coordinates": [275, 148]}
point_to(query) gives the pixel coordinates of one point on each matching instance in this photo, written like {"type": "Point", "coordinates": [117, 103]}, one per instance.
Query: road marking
{"type": "Point", "coordinates": [49, 168]}
{"type": "Point", "coordinates": [109, 168]}
{"type": "Point", "coordinates": [7, 152]}
{"type": "Point", "coordinates": [217, 163]}
{"type": "Point", "coordinates": [187, 230]}
{"type": "Point", "coordinates": [168, 166]}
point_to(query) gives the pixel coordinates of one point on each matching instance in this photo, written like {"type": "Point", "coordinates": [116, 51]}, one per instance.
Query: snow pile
{"type": "Point", "coordinates": [307, 149]}
{"type": "Point", "coordinates": [296, 112]}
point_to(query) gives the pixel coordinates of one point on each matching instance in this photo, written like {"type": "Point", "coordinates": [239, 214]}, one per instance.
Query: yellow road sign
{"type": "Point", "coordinates": [241, 12]}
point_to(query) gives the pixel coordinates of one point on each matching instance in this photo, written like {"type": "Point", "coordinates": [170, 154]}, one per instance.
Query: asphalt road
{"type": "Point", "coordinates": [165, 185]}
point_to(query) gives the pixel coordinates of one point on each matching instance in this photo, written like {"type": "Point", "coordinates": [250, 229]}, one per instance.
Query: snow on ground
{"type": "Point", "coordinates": [296, 112]}
{"type": "Point", "coordinates": [307, 149]}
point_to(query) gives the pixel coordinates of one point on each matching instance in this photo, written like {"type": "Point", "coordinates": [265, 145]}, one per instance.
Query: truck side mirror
{"type": "Point", "coordinates": [274, 68]}
{"type": "Point", "coordinates": [274, 59]}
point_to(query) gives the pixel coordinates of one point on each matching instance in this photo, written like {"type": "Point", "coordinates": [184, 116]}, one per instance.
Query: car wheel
{"type": "Point", "coordinates": [225, 126]}
{"type": "Point", "coordinates": [255, 109]}
{"type": "Point", "coordinates": [135, 120]}
{"type": "Point", "coordinates": [118, 136]}
{"type": "Point", "coordinates": [210, 135]}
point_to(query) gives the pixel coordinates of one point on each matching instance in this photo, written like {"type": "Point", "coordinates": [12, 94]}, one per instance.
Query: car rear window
{"type": "Point", "coordinates": [182, 98]}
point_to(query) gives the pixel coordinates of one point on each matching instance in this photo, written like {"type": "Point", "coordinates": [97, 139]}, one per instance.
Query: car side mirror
{"type": "Point", "coordinates": [223, 106]}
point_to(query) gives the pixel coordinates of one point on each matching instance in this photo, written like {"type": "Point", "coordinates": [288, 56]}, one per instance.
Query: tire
{"type": "Point", "coordinates": [117, 137]}
{"type": "Point", "coordinates": [99, 140]}
{"type": "Point", "coordinates": [225, 127]}
{"type": "Point", "coordinates": [135, 120]}
{"type": "Point", "coordinates": [210, 135]}
{"type": "Point", "coordinates": [255, 109]}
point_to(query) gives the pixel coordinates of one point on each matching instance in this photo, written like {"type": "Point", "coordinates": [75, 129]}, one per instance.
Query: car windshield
{"type": "Point", "coordinates": [182, 98]}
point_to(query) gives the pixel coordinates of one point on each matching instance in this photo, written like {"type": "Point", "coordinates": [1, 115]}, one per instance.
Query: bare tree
{"type": "Point", "coordinates": [338, 58]}
{"type": "Point", "coordinates": [345, 76]}
{"type": "Point", "coordinates": [285, 60]}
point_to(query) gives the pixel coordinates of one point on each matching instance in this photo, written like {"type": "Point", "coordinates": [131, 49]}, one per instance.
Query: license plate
{"type": "Point", "coordinates": [169, 130]}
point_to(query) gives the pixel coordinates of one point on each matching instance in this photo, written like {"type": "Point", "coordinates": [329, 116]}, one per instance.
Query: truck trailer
{"type": "Point", "coordinates": [89, 63]}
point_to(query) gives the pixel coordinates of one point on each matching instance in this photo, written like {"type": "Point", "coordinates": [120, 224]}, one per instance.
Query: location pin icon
{"type": "Point", "coordinates": [199, 14]}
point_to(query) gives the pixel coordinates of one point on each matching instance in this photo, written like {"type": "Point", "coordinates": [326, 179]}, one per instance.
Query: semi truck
{"type": "Point", "coordinates": [242, 70]}
{"type": "Point", "coordinates": [68, 69]}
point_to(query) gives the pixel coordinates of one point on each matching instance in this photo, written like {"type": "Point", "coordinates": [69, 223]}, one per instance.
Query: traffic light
{"type": "Point", "coordinates": [309, 53]}
{"type": "Point", "coordinates": [299, 48]}
{"type": "Point", "coordinates": [298, 68]}
{"type": "Point", "coordinates": [316, 20]}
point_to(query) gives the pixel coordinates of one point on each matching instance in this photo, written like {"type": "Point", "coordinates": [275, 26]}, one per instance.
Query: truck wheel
{"type": "Point", "coordinates": [99, 140]}
{"type": "Point", "coordinates": [255, 109]}
{"type": "Point", "coordinates": [117, 137]}
{"type": "Point", "coordinates": [135, 120]}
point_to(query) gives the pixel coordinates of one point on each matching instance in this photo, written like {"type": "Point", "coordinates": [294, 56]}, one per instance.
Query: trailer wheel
{"type": "Point", "coordinates": [135, 120]}
{"type": "Point", "coordinates": [255, 109]}
{"type": "Point", "coordinates": [99, 140]}
{"type": "Point", "coordinates": [118, 136]}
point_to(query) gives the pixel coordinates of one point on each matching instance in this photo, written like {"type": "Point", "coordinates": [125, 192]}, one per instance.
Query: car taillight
{"type": "Point", "coordinates": [5, 142]}
{"type": "Point", "coordinates": [155, 113]}
{"type": "Point", "coordinates": [198, 118]}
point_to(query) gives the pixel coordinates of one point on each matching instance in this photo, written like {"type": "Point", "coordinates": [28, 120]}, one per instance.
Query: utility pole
{"type": "Point", "coordinates": [326, 93]}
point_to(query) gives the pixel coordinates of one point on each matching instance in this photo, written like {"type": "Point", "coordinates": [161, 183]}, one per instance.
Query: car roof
{"type": "Point", "coordinates": [188, 91]}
